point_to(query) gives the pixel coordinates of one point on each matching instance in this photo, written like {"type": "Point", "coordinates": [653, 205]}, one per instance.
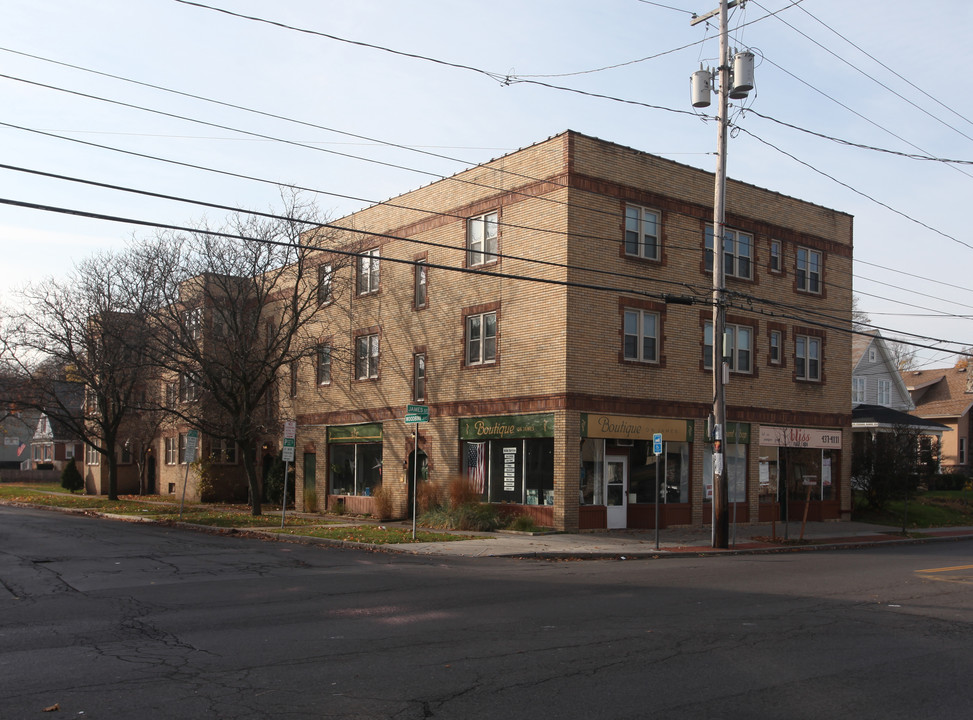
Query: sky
{"type": "Point", "coordinates": [467, 82]}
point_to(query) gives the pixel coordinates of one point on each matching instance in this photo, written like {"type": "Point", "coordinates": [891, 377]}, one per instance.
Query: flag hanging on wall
{"type": "Point", "coordinates": [476, 465]}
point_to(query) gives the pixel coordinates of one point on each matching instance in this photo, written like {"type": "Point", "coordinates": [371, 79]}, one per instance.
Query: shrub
{"type": "Point", "coordinates": [338, 508]}
{"type": "Point", "coordinates": [428, 497]}
{"type": "Point", "coordinates": [71, 479]}
{"type": "Point", "coordinates": [274, 483]}
{"type": "Point", "coordinates": [521, 523]}
{"type": "Point", "coordinates": [382, 502]}
{"type": "Point", "coordinates": [461, 492]}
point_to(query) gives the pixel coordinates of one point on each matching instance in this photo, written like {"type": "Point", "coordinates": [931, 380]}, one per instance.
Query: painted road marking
{"type": "Point", "coordinates": [947, 569]}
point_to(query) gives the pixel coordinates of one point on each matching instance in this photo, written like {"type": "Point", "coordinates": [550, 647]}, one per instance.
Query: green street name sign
{"type": "Point", "coordinates": [416, 414]}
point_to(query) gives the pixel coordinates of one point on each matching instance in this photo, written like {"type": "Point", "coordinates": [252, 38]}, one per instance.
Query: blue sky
{"type": "Point", "coordinates": [913, 246]}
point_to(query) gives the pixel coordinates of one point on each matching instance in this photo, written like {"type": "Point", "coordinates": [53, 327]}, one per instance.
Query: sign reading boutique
{"type": "Point", "coordinates": [786, 437]}
{"type": "Point", "coordinates": [624, 427]}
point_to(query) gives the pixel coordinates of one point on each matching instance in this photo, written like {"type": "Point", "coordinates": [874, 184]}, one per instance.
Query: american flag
{"type": "Point", "coordinates": [476, 465]}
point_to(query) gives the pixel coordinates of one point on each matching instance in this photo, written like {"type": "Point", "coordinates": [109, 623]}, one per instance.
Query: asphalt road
{"type": "Point", "coordinates": [115, 620]}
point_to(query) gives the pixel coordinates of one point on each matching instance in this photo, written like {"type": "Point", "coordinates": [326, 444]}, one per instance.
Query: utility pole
{"type": "Point", "coordinates": [720, 496]}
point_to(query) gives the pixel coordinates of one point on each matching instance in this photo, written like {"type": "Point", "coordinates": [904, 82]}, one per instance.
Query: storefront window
{"type": "Point", "coordinates": [768, 474]}
{"type": "Point", "coordinates": [806, 468]}
{"type": "Point", "coordinates": [673, 472]}
{"type": "Point", "coordinates": [735, 457]}
{"type": "Point", "coordinates": [516, 471]}
{"type": "Point", "coordinates": [592, 469]}
{"type": "Point", "coordinates": [356, 468]}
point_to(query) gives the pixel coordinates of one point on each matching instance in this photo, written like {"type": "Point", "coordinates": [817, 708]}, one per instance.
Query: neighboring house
{"type": "Point", "coordinates": [946, 396]}
{"type": "Point", "coordinates": [17, 432]}
{"type": "Point", "coordinates": [546, 397]}
{"type": "Point", "coordinates": [54, 444]}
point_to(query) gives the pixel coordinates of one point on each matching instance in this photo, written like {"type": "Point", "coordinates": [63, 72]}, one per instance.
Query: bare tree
{"type": "Point", "coordinates": [79, 344]}
{"type": "Point", "coordinates": [238, 306]}
{"type": "Point", "coordinates": [903, 355]}
{"type": "Point", "coordinates": [859, 318]}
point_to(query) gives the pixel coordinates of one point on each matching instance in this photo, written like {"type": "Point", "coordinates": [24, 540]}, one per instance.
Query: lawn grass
{"type": "Point", "coordinates": [164, 509]}
{"type": "Point", "coordinates": [942, 508]}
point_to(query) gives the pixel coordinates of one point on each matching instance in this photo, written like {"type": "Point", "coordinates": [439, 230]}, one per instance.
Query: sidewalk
{"type": "Point", "coordinates": [627, 544]}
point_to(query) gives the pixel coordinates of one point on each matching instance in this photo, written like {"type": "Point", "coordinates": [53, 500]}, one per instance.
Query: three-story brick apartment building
{"type": "Point", "coordinates": [553, 310]}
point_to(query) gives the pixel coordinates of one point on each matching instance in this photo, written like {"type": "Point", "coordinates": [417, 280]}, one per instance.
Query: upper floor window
{"type": "Point", "coordinates": [91, 456]}
{"type": "Point", "coordinates": [323, 373]}
{"type": "Point", "coordinates": [368, 272]}
{"type": "Point", "coordinates": [481, 338]}
{"type": "Point", "coordinates": [858, 390]}
{"type": "Point", "coordinates": [366, 356]}
{"type": "Point", "coordinates": [884, 392]}
{"type": "Point", "coordinates": [419, 377]}
{"type": "Point", "coordinates": [193, 320]}
{"type": "Point", "coordinates": [188, 389]}
{"type": "Point", "coordinates": [807, 357]}
{"type": "Point", "coordinates": [325, 284]}
{"type": "Point", "coordinates": [481, 239]}
{"type": "Point", "coordinates": [737, 347]}
{"type": "Point", "coordinates": [737, 252]}
{"type": "Point", "coordinates": [808, 270]}
{"type": "Point", "coordinates": [776, 259]}
{"type": "Point", "coordinates": [641, 336]}
{"type": "Point", "coordinates": [421, 279]}
{"type": "Point", "coordinates": [641, 232]}
{"type": "Point", "coordinates": [775, 343]}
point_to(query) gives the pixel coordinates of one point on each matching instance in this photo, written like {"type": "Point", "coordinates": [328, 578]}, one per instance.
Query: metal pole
{"type": "Point", "coordinates": [283, 502]}
{"type": "Point", "coordinates": [657, 463]}
{"type": "Point", "coordinates": [720, 512]}
{"type": "Point", "coordinates": [415, 475]}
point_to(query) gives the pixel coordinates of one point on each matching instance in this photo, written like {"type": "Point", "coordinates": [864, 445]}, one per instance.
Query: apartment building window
{"type": "Point", "coordinates": [481, 338]}
{"type": "Point", "coordinates": [962, 451]}
{"type": "Point", "coordinates": [325, 284]}
{"type": "Point", "coordinates": [172, 451]}
{"type": "Point", "coordinates": [737, 252]}
{"type": "Point", "coordinates": [884, 392]}
{"type": "Point", "coordinates": [366, 357]}
{"type": "Point", "coordinates": [419, 377]}
{"type": "Point", "coordinates": [223, 452]}
{"type": "Point", "coordinates": [737, 347]}
{"type": "Point", "coordinates": [858, 390]}
{"type": "Point", "coordinates": [324, 364]}
{"type": "Point", "coordinates": [368, 267]}
{"type": "Point", "coordinates": [808, 270]}
{"type": "Point", "coordinates": [641, 336]}
{"type": "Point", "coordinates": [481, 239]}
{"type": "Point", "coordinates": [91, 456]}
{"type": "Point", "coordinates": [641, 232]}
{"type": "Point", "coordinates": [776, 258]}
{"type": "Point", "coordinates": [807, 357]}
{"type": "Point", "coordinates": [776, 339]}
{"type": "Point", "coordinates": [125, 454]}
{"type": "Point", "coordinates": [188, 389]}
{"type": "Point", "coordinates": [182, 448]}
{"type": "Point", "coordinates": [292, 368]}
{"type": "Point", "coordinates": [420, 295]}
{"type": "Point", "coordinates": [193, 321]}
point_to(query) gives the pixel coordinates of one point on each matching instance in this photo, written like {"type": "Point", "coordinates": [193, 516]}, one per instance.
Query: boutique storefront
{"type": "Point", "coordinates": [354, 465]}
{"type": "Point", "coordinates": [510, 459]}
{"type": "Point", "coordinates": [622, 479]}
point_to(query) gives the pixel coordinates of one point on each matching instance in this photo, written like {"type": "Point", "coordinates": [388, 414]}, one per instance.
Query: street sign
{"type": "Point", "coordinates": [416, 414]}
{"type": "Point", "coordinates": [192, 441]}
{"type": "Point", "coordinates": [657, 443]}
{"type": "Point", "coordinates": [290, 441]}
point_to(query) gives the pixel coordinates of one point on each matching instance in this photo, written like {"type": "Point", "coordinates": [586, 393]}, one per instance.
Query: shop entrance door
{"type": "Point", "coordinates": [616, 490]}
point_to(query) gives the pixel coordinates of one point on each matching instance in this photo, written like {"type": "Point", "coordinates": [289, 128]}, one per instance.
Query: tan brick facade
{"type": "Point", "coordinates": [559, 345]}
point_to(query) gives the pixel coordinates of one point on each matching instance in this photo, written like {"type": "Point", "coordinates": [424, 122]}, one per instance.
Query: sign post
{"type": "Point", "coordinates": [657, 451]}
{"type": "Point", "coordinates": [192, 441]}
{"type": "Point", "coordinates": [415, 414]}
{"type": "Point", "coordinates": [290, 441]}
